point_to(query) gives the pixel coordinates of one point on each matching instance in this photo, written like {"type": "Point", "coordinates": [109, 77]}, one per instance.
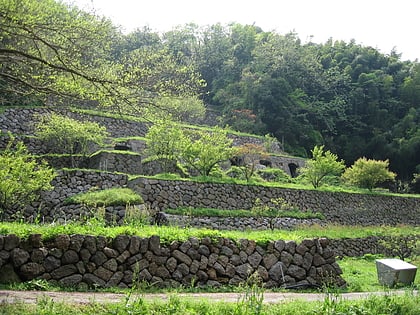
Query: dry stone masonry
{"type": "Point", "coordinates": [342, 208]}
{"type": "Point", "coordinates": [85, 261]}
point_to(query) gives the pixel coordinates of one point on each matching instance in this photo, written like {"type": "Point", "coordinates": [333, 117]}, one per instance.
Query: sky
{"type": "Point", "coordinates": [382, 24]}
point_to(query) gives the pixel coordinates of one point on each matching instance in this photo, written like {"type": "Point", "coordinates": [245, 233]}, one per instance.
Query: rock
{"type": "Point", "coordinates": [35, 240]}
{"type": "Point", "coordinates": [254, 259]}
{"type": "Point", "coordinates": [203, 250]}
{"type": "Point", "coordinates": [71, 281]}
{"type": "Point", "coordinates": [296, 272]}
{"type": "Point", "coordinates": [134, 246]}
{"type": "Point", "coordinates": [93, 281]}
{"type": "Point", "coordinates": [277, 272]}
{"type": "Point", "coordinates": [121, 242]}
{"type": "Point", "coordinates": [11, 241]}
{"type": "Point", "coordinates": [244, 270]}
{"type": "Point", "coordinates": [51, 263]}
{"type": "Point", "coordinates": [8, 275]}
{"type": "Point", "coordinates": [286, 258]}
{"type": "Point", "coordinates": [290, 247]}
{"type": "Point", "coordinates": [307, 261]}
{"type": "Point", "coordinates": [301, 249]}
{"type": "Point", "coordinates": [90, 244]}
{"type": "Point", "coordinates": [115, 279]}
{"type": "Point", "coordinates": [123, 257]}
{"type": "Point", "coordinates": [62, 241]}
{"type": "Point", "coordinates": [111, 265]}
{"type": "Point", "coordinates": [99, 258]}
{"type": "Point", "coordinates": [269, 260]}
{"type": "Point", "coordinates": [181, 257]}
{"type": "Point", "coordinates": [76, 242]}
{"type": "Point", "coordinates": [279, 245]}
{"type": "Point", "coordinates": [63, 271]}
{"type": "Point", "coordinates": [19, 257]}
{"type": "Point", "coordinates": [171, 264]}
{"type": "Point", "coordinates": [69, 257]}
{"type": "Point", "coordinates": [103, 273]}
{"type": "Point", "coordinates": [110, 253]}
{"type": "Point", "coordinates": [318, 260]}
{"type": "Point", "coordinates": [38, 255]}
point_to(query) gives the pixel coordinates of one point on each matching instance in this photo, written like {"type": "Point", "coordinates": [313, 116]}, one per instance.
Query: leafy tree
{"type": "Point", "coordinates": [69, 136]}
{"type": "Point", "coordinates": [21, 177]}
{"type": "Point", "coordinates": [164, 142]}
{"type": "Point", "coordinates": [367, 173]}
{"type": "Point", "coordinates": [203, 150]}
{"type": "Point", "coordinates": [322, 165]}
{"type": "Point", "coordinates": [189, 108]}
{"type": "Point", "coordinates": [49, 49]}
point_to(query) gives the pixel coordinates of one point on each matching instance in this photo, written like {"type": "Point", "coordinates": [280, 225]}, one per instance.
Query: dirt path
{"type": "Point", "coordinates": [84, 298]}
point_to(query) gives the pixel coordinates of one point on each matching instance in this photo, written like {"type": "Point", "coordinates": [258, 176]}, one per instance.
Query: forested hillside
{"type": "Point", "coordinates": [353, 99]}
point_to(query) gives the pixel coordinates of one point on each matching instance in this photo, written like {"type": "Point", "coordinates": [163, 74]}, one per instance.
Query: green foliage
{"type": "Point", "coordinates": [322, 164]}
{"type": "Point", "coordinates": [165, 142]}
{"type": "Point", "coordinates": [169, 234]}
{"type": "Point", "coordinates": [367, 173]}
{"type": "Point", "coordinates": [66, 135]}
{"type": "Point", "coordinates": [286, 212]}
{"type": "Point", "coordinates": [107, 197]}
{"type": "Point", "coordinates": [202, 150]}
{"type": "Point", "coordinates": [21, 177]}
{"type": "Point", "coordinates": [275, 175]}
{"type": "Point", "coordinates": [251, 303]}
{"type": "Point", "coordinates": [188, 108]}
{"type": "Point", "coordinates": [83, 56]}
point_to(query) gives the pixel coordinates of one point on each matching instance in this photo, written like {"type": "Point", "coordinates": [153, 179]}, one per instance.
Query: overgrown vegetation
{"type": "Point", "coordinates": [270, 213]}
{"type": "Point", "coordinates": [250, 303]}
{"type": "Point", "coordinates": [172, 233]}
{"type": "Point", "coordinates": [62, 134]}
{"type": "Point", "coordinates": [22, 178]}
{"type": "Point", "coordinates": [322, 165]}
{"type": "Point", "coordinates": [367, 173]}
{"type": "Point", "coordinates": [107, 197]}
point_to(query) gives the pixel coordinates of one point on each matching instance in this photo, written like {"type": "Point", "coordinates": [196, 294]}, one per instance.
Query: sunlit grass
{"type": "Point", "coordinates": [107, 197]}
{"type": "Point", "coordinates": [169, 234]}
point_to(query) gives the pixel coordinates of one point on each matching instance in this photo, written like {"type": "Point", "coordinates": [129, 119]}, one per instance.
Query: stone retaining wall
{"type": "Point", "coordinates": [84, 261]}
{"type": "Point", "coordinates": [159, 195]}
{"type": "Point", "coordinates": [342, 208]}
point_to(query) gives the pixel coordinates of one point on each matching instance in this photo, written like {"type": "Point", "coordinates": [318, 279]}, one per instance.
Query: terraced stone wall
{"type": "Point", "coordinates": [84, 261]}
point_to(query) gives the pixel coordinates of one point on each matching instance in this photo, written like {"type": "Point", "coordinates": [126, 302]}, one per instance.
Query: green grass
{"type": "Point", "coordinates": [361, 275]}
{"type": "Point", "coordinates": [107, 197]}
{"type": "Point", "coordinates": [169, 234]}
{"type": "Point", "coordinates": [194, 212]}
{"type": "Point", "coordinates": [250, 304]}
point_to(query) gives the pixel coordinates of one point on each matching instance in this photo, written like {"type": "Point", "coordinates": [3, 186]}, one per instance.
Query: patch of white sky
{"type": "Point", "coordinates": [385, 25]}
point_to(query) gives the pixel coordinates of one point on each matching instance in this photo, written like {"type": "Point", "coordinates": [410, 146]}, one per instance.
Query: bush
{"type": "Point", "coordinates": [366, 173]}
{"type": "Point", "coordinates": [21, 177]}
{"type": "Point", "coordinates": [321, 166]}
{"type": "Point", "coordinates": [275, 175]}
{"type": "Point", "coordinates": [66, 135]}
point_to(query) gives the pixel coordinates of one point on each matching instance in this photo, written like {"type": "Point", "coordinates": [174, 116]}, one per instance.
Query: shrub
{"type": "Point", "coordinates": [366, 173]}
{"type": "Point", "coordinates": [66, 135]}
{"type": "Point", "coordinates": [21, 177]}
{"type": "Point", "coordinates": [322, 165]}
{"type": "Point", "coordinates": [203, 150]}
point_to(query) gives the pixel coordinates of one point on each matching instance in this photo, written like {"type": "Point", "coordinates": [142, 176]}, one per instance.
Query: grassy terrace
{"type": "Point", "coordinates": [169, 234]}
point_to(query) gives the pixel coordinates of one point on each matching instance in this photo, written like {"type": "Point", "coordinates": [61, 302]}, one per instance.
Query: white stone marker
{"type": "Point", "coordinates": [392, 271]}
